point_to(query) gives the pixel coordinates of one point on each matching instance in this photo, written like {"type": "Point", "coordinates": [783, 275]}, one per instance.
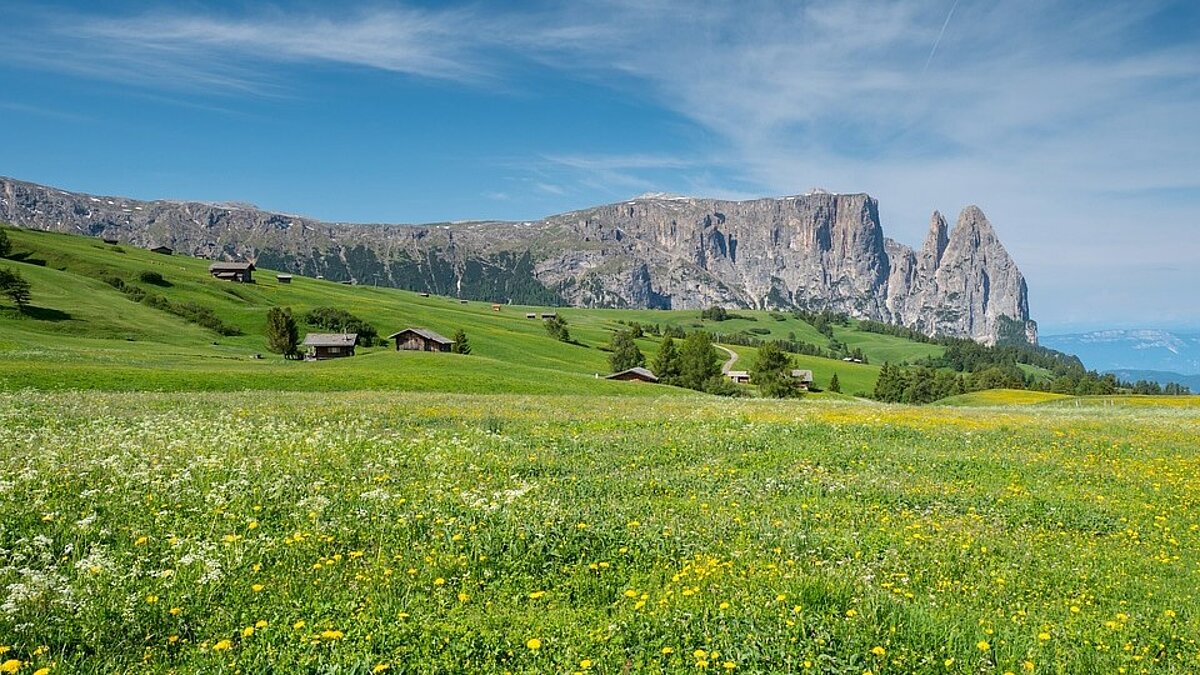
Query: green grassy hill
{"type": "Point", "coordinates": [82, 332]}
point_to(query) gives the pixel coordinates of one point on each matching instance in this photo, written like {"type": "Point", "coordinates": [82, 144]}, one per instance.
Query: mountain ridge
{"type": "Point", "coordinates": [812, 251]}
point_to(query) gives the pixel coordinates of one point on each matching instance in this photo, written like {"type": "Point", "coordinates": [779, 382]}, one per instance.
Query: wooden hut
{"type": "Point", "coordinates": [233, 271]}
{"type": "Point", "coordinates": [165, 250]}
{"type": "Point", "coordinates": [738, 376]}
{"type": "Point", "coordinates": [284, 278]}
{"type": "Point", "coordinates": [421, 340]}
{"type": "Point", "coordinates": [803, 377]}
{"type": "Point", "coordinates": [323, 346]}
{"type": "Point", "coordinates": [636, 374]}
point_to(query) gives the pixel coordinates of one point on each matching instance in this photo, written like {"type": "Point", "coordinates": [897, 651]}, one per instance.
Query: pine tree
{"type": "Point", "coordinates": [282, 333]}
{"type": "Point", "coordinates": [698, 361]}
{"type": "Point", "coordinates": [556, 327]}
{"type": "Point", "coordinates": [666, 361]}
{"type": "Point", "coordinates": [15, 287]}
{"type": "Point", "coordinates": [625, 353]}
{"type": "Point", "coordinates": [5, 244]}
{"type": "Point", "coordinates": [460, 345]}
{"type": "Point", "coordinates": [834, 385]}
{"type": "Point", "coordinates": [772, 372]}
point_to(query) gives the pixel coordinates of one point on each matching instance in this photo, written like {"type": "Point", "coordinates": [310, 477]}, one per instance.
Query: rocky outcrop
{"type": "Point", "coordinates": [813, 251]}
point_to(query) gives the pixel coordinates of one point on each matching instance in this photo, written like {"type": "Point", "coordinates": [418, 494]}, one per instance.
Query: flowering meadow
{"type": "Point", "coordinates": [383, 532]}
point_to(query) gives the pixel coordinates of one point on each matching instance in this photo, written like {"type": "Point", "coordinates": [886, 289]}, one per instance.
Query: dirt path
{"type": "Point", "coordinates": [733, 357]}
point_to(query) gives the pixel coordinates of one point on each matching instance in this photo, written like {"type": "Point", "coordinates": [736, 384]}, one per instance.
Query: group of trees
{"type": "Point", "coordinates": [341, 321]}
{"type": "Point", "coordinates": [694, 364]}
{"type": "Point", "coordinates": [772, 372]}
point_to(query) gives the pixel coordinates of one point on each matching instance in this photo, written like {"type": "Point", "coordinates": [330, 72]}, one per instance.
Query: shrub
{"type": "Point", "coordinates": [151, 277]}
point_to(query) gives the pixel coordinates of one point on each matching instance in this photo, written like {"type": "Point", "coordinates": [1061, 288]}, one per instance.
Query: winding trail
{"type": "Point", "coordinates": [733, 357]}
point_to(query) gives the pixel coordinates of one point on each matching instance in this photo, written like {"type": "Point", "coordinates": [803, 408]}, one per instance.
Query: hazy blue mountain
{"type": "Point", "coordinates": [1132, 350]}
{"type": "Point", "coordinates": [1160, 376]}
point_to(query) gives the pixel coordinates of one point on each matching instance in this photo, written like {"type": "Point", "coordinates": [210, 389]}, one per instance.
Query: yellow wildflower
{"type": "Point", "coordinates": [223, 645]}
{"type": "Point", "coordinates": [533, 644]}
{"type": "Point", "coordinates": [982, 645]}
{"type": "Point", "coordinates": [878, 651]}
{"type": "Point", "coordinates": [10, 666]}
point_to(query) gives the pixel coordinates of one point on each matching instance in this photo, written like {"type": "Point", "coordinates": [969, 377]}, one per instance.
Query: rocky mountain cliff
{"type": "Point", "coordinates": [813, 251]}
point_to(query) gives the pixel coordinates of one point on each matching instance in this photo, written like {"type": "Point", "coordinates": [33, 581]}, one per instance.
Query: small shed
{"type": "Point", "coordinates": [495, 307]}
{"type": "Point", "coordinates": [636, 374]}
{"type": "Point", "coordinates": [421, 340]}
{"type": "Point", "coordinates": [423, 294]}
{"type": "Point", "coordinates": [323, 346]}
{"type": "Point", "coordinates": [803, 377]}
{"type": "Point", "coordinates": [110, 240]}
{"type": "Point", "coordinates": [233, 271]}
{"type": "Point", "coordinates": [738, 376]}
{"type": "Point", "coordinates": [284, 278]}
{"type": "Point", "coordinates": [549, 315]}
{"type": "Point", "coordinates": [531, 315]}
{"type": "Point", "coordinates": [165, 250]}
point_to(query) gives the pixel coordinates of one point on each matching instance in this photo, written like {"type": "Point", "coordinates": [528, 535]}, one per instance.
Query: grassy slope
{"type": "Point", "coordinates": [993, 397]}
{"type": "Point", "coordinates": [96, 337]}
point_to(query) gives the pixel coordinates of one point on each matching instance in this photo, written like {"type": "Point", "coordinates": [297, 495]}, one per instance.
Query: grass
{"type": "Point", "coordinates": [412, 532]}
{"type": "Point", "coordinates": [995, 397]}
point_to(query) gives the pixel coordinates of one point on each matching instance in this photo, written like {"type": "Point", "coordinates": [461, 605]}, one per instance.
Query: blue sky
{"type": "Point", "coordinates": [1072, 124]}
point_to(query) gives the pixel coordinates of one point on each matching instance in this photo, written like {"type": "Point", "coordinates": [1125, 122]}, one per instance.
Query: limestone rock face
{"type": "Point", "coordinates": [812, 251]}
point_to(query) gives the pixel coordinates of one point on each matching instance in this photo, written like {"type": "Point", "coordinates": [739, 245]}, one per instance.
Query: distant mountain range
{"type": "Point", "coordinates": [1145, 354]}
{"type": "Point", "coordinates": [813, 251]}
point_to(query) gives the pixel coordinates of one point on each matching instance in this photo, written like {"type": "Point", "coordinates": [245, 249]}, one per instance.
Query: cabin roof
{"type": "Point", "coordinates": [330, 339]}
{"type": "Point", "coordinates": [425, 333]}
{"type": "Point", "coordinates": [231, 266]}
{"type": "Point", "coordinates": [636, 370]}
{"type": "Point", "coordinates": [803, 375]}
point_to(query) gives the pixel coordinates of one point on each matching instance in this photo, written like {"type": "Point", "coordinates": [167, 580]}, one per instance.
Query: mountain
{"type": "Point", "coordinates": [812, 251]}
{"type": "Point", "coordinates": [1141, 349]}
{"type": "Point", "coordinates": [1162, 377]}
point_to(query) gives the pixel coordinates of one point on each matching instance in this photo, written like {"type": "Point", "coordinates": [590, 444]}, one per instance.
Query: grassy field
{"type": "Point", "coordinates": [83, 333]}
{"type": "Point", "coordinates": [1002, 397]}
{"type": "Point", "coordinates": [408, 532]}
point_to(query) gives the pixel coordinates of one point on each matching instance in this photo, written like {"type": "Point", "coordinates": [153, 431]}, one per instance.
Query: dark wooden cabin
{"type": "Point", "coordinates": [323, 346]}
{"type": "Point", "coordinates": [421, 340]}
{"type": "Point", "coordinates": [233, 271]}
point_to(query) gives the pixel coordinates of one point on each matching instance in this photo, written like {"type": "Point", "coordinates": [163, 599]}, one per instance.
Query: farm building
{"type": "Point", "coordinates": [805, 378]}
{"type": "Point", "coordinates": [232, 271]}
{"type": "Point", "coordinates": [323, 346]}
{"type": "Point", "coordinates": [636, 374]}
{"type": "Point", "coordinates": [495, 307]}
{"type": "Point", "coordinates": [110, 240]}
{"type": "Point", "coordinates": [165, 250]}
{"type": "Point", "coordinates": [284, 278]}
{"type": "Point", "coordinates": [549, 315]}
{"type": "Point", "coordinates": [531, 315]}
{"type": "Point", "coordinates": [738, 376]}
{"type": "Point", "coordinates": [421, 340]}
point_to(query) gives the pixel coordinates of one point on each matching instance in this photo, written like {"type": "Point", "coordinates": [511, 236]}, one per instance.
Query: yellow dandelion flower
{"type": "Point", "coordinates": [851, 613]}
{"type": "Point", "coordinates": [260, 624]}
{"type": "Point", "coordinates": [667, 651]}
{"type": "Point", "coordinates": [463, 597]}
{"type": "Point", "coordinates": [257, 588]}
{"type": "Point", "coordinates": [141, 541]}
{"type": "Point", "coordinates": [332, 635]}
{"type": "Point", "coordinates": [948, 662]}
{"type": "Point", "coordinates": [630, 593]}
{"type": "Point", "coordinates": [42, 671]}
{"type": "Point", "coordinates": [381, 667]}
{"type": "Point", "coordinates": [1043, 636]}
{"type": "Point", "coordinates": [439, 582]}
{"type": "Point", "coordinates": [1027, 666]}
{"type": "Point", "coordinates": [537, 595]}
{"type": "Point", "coordinates": [248, 631]}
{"type": "Point", "coordinates": [729, 665]}
{"type": "Point", "coordinates": [982, 645]}
{"type": "Point", "coordinates": [151, 599]}
{"type": "Point", "coordinates": [223, 645]}
{"type": "Point", "coordinates": [533, 644]}
{"type": "Point", "coordinates": [10, 666]}
{"type": "Point", "coordinates": [299, 624]}
{"type": "Point", "coordinates": [585, 664]}
{"type": "Point", "coordinates": [700, 654]}
{"type": "Point", "coordinates": [878, 651]}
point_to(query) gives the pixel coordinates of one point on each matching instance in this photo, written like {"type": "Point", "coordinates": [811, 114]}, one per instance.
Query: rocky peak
{"type": "Point", "coordinates": [935, 242]}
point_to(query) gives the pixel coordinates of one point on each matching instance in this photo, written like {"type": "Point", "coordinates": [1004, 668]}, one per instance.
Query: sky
{"type": "Point", "coordinates": [1075, 126]}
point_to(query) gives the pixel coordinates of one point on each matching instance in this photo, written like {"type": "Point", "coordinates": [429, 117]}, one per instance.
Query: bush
{"type": "Point", "coordinates": [151, 277]}
{"type": "Point", "coordinates": [5, 244]}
